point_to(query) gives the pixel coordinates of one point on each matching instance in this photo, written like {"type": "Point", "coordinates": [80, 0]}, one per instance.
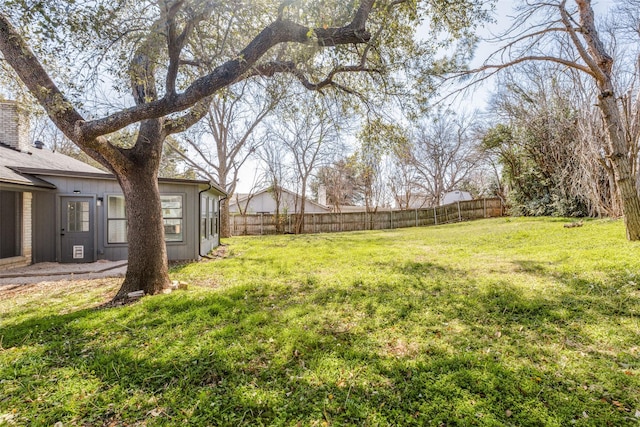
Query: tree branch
{"type": "Point", "coordinates": [189, 119]}
{"type": "Point", "coordinates": [278, 32]}
{"type": "Point", "coordinates": [203, 171]}
{"type": "Point", "coordinates": [59, 109]}
{"type": "Point", "coordinates": [176, 43]}
{"type": "Point", "coordinates": [268, 69]}
{"type": "Point", "coordinates": [20, 57]}
{"type": "Point", "coordinates": [566, 62]}
{"type": "Point", "coordinates": [596, 70]}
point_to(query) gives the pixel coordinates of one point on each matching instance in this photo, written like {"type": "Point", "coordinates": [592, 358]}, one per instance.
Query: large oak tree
{"type": "Point", "coordinates": [66, 52]}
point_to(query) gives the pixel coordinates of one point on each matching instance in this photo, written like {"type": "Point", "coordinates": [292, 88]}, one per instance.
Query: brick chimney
{"type": "Point", "coordinates": [14, 126]}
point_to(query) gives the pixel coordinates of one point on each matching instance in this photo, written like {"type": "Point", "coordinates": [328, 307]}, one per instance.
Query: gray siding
{"type": "Point", "coordinates": [44, 226]}
{"type": "Point", "coordinates": [47, 221]}
{"type": "Point", "coordinates": [186, 249]}
{"type": "Point", "coordinates": [9, 224]}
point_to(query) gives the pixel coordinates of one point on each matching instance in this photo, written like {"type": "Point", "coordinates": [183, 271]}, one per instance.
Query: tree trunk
{"type": "Point", "coordinates": [277, 195]}
{"type": "Point", "coordinates": [147, 268]}
{"type": "Point", "coordinates": [622, 167]}
{"type": "Point", "coordinates": [303, 201]}
{"type": "Point", "coordinates": [225, 230]}
{"type": "Point", "coordinates": [601, 64]}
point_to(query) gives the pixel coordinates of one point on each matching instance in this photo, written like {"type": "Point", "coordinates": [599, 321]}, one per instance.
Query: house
{"type": "Point", "coordinates": [414, 201]}
{"type": "Point", "coordinates": [263, 202]}
{"type": "Point", "coordinates": [455, 196]}
{"type": "Point", "coordinates": [56, 208]}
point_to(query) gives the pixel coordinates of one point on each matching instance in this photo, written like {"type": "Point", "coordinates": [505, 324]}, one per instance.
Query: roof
{"type": "Point", "coordinates": [24, 168]}
{"type": "Point", "coordinates": [241, 197]}
{"type": "Point", "coordinates": [13, 163]}
{"type": "Point", "coordinates": [457, 192]}
{"type": "Point", "coordinates": [360, 209]}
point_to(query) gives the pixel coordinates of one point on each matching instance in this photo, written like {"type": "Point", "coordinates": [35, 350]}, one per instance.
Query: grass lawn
{"type": "Point", "coordinates": [497, 322]}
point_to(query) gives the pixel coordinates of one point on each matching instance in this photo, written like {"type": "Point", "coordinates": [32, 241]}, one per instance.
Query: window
{"type": "Point", "coordinates": [203, 217]}
{"type": "Point", "coordinates": [116, 220]}
{"type": "Point", "coordinates": [212, 218]}
{"type": "Point", "coordinates": [208, 217]}
{"type": "Point", "coordinates": [77, 216]}
{"type": "Point", "coordinates": [172, 212]}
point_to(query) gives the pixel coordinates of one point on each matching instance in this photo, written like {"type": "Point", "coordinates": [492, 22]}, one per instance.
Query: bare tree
{"type": "Point", "coordinates": [378, 138]}
{"type": "Point", "coordinates": [443, 153]}
{"type": "Point", "coordinates": [273, 155]}
{"type": "Point", "coordinates": [404, 182]}
{"type": "Point", "coordinates": [310, 132]}
{"type": "Point", "coordinates": [229, 134]}
{"type": "Point", "coordinates": [371, 176]}
{"type": "Point", "coordinates": [555, 32]}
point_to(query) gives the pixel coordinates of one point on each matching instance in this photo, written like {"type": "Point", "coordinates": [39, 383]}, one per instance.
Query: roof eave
{"type": "Point", "coordinates": [105, 175]}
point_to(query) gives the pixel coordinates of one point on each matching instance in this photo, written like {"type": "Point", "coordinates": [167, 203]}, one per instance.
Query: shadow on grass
{"type": "Point", "coordinates": [259, 356]}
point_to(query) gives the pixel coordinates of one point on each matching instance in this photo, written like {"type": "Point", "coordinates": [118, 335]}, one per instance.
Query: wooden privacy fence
{"type": "Point", "coordinates": [262, 224]}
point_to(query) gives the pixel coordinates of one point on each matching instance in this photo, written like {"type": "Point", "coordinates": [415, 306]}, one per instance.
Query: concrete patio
{"type": "Point", "coordinates": [53, 271]}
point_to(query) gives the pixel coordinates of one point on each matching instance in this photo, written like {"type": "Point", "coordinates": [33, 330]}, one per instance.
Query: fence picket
{"type": "Point", "coordinates": [256, 224]}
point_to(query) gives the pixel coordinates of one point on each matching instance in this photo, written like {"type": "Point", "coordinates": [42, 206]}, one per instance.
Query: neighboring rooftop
{"type": "Point", "coordinates": [242, 197]}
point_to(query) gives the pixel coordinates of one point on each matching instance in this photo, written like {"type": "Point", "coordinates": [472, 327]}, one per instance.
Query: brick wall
{"type": "Point", "coordinates": [14, 126]}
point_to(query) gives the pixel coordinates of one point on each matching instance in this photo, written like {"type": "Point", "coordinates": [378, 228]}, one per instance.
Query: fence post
{"type": "Point", "coordinates": [416, 217]}
{"type": "Point", "coordinates": [459, 215]}
{"type": "Point", "coordinates": [313, 216]}
{"type": "Point", "coordinates": [435, 216]}
{"type": "Point", "coordinates": [484, 206]}
{"type": "Point", "coordinates": [391, 219]}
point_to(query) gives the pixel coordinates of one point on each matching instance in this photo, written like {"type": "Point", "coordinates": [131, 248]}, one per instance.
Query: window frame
{"type": "Point", "coordinates": [208, 217]}
{"type": "Point", "coordinates": [109, 219]}
{"type": "Point", "coordinates": [174, 218]}
{"type": "Point", "coordinates": [212, 215]}
{"type": "Point", "coordinates": [78, 216]}
{"type": "Point", "coordinates": [182, 218]}
{"type": "Point", "coordinates": [203, 217]}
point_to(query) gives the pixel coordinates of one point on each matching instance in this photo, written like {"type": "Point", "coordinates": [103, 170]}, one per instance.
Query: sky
{"type": "Point", "coordinates": [478, 97]}
{"type": "Point", "coordinates": [475, 99]}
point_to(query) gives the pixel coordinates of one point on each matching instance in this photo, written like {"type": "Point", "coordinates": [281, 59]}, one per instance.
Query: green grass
{"type": "Point", "coordinates": [500, 322]}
